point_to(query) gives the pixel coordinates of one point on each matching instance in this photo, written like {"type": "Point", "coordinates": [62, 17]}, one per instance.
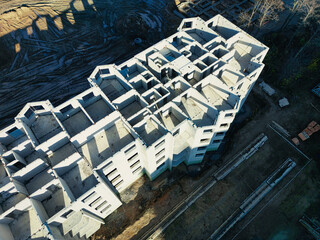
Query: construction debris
{"type": "Point", "coordinates": [250, 202]}
{"type": "Point", "coordinates": [312, 225]}
{"type": "Point", "coordinates": [266, 87]}
{"type": "Point", "coordinates": [295, 141]}
{"type": "Point", "coordinates": [252, 148]}
{"type": "Point", "coordinates": [283, 102]}
{"type": "Point", "coordinates": [309, 130]}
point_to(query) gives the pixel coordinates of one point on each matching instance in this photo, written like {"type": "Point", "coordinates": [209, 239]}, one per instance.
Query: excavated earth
{"type": "Point", "coordinates": [49, 48]}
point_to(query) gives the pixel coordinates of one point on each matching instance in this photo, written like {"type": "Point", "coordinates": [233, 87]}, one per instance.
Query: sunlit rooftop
{"type": "Point", "coordinates": [106, 143]}
{"type": "Point", "coordinates": [27, 224]}
{"type": "Point", "coordinates": [195, 113]}
{"type": "Point", "coordinates": [61, 154]}
{"type": "Point", "coordinates": [150, 132]}
{"type": "Point", "coordinates": [80, 178]}
{"type": "Point", "coordinates": [215, 97]}
{"type": "Point", "coordinates": [76, 123]}
{"type": "Point", "coordinates": [45, 127]}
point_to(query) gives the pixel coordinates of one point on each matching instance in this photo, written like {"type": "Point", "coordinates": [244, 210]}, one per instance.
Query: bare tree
{"type": "Point", "coordinates": [294, 9]}
{"type": "Point", "coordinates": [264, 10]}
{"type": "Point", "coordinates": [269, 10]}
{"type": "Point", "coordinates": [246, 17]}
{"type": "Point", "coordinates": [311, 11]}
{"type": "Point", "coordinates": [307, 9]}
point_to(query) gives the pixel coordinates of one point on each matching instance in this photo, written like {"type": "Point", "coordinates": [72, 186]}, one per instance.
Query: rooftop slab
{"type": "Point", "coordinates": [57, 201]}
{"type": "Point", "coordinates": [98, 110]}
{"type": "Point", "coordinates": [129, 74]}
{"type": "Point", "coordinates": [150, 133]}
{"type": "Point", "coordinates": [195, 113]}
{"type": "Point", "coordinates": [39, 181]}
{"type": "Point", "coordinates": [214, 98]}
{"type": "Point", "coordinates": [231, 77]}
{"type": "Point", "coordinates": [12, 201]}
{"type": "Point", "coordinates": [131, 109]}
{"type": "Point", "coordinates": [180, 42]}
{"type": "Point", "coordinates": [45, 127]}
{"type": "Point", "coordinates": [61, 154]}
{"type": "Point", "coordinates": [106, 143]}
{"type": "Point", "coordinates": [80, 179]}
{"type": "Point", "coordinates": [201, 36]}
{"type": "Point", "coordinates": [33, 156]}
{"type": "Point", "coordinates": [76, 123]}
{"type": "Point", "coordinates": [170, 120]}
{"type": "Point", "coordinates": [132, 71]}
{"type": "Point", "coordinates": [112, 88]}
{"type": "Point", "coordinates": [242, 57]}
{"type": "Point", "coordinates": [26, 225]}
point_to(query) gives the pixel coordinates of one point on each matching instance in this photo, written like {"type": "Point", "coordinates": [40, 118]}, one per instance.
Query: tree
{"type": "Point", "coordinates": [315, 33]}
{"type": "Point", "coordinates": [269, 10]}
{"type": "Point", "coordinates": [246, 17]}
{"type": "Point", "coordinates": [306, 8]}
{"type": "Point", "coordinates": [265, 10]}
{"type": "Point", "coordinates": [309, 10]}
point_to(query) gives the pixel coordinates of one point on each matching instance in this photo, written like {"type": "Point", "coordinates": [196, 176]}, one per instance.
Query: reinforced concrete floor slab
{"type": "Point", "coordinates": [170, 121]}
{"type": "Point", "coordinates": [215, 99]}
{"type": "Point", "coordinates": [98, 110]}
{"type": "Point", "coordinates": [57, 201]}
{"type": "Point", "coordinates": [150, 133]}
{"type": "Point", "coordinates": [61, 154]}
{"type": "Point", "coordinates": [106, 143]}
{"type": "Point", "coordinates": [76, 123]}
{"type": "Point", "coordinates": [45, 127]}
{"type": "Point", "coordinates": [131, 109]}
{"type": "Point", "coordinates": [39, 181]}
{"type": "Point", "coordinates": [112, 88]}
{"type": "Point", "coordinates": [196, 114]}
{"type": "Point", "coordinates": [12, 201]}
{"type": "Point", "coordinates": [80, 179]}
{"type": "Point", "coordinates": [25, 225]}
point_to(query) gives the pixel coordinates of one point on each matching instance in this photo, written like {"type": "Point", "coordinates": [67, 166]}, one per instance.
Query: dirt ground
{"type": "Point", "coordinates": [154, 199]}
{"type": "Point", "coordinates": [213, 208]}
{"type": "Point", "coordinates": [279, 219]}
{"type": "Point", "coordinates": [48, 49]}
{"type": "Point", "coordinates": [218, 204]}
{"type": "Point", "coordinates": [33, 62]}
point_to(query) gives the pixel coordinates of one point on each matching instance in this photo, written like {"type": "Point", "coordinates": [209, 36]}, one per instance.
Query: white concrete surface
{"type": "Point", "coordinates": [62, 167]}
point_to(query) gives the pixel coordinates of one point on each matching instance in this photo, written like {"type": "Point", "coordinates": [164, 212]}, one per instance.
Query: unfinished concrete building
{"type": "Point", "coordinates": [63, 167]}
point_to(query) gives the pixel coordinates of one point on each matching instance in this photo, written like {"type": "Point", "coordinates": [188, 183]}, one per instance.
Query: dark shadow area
{"type": "Point", "coordinates": [50, 57]}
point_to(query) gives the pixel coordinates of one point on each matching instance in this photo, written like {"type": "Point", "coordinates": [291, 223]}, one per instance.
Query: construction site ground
{"type": "Point", "coordinates": [34, 66]}
{"type": "Point", "coordinates": [48, 49]}
{"type": "Point", "coordinates": [279, 217]}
